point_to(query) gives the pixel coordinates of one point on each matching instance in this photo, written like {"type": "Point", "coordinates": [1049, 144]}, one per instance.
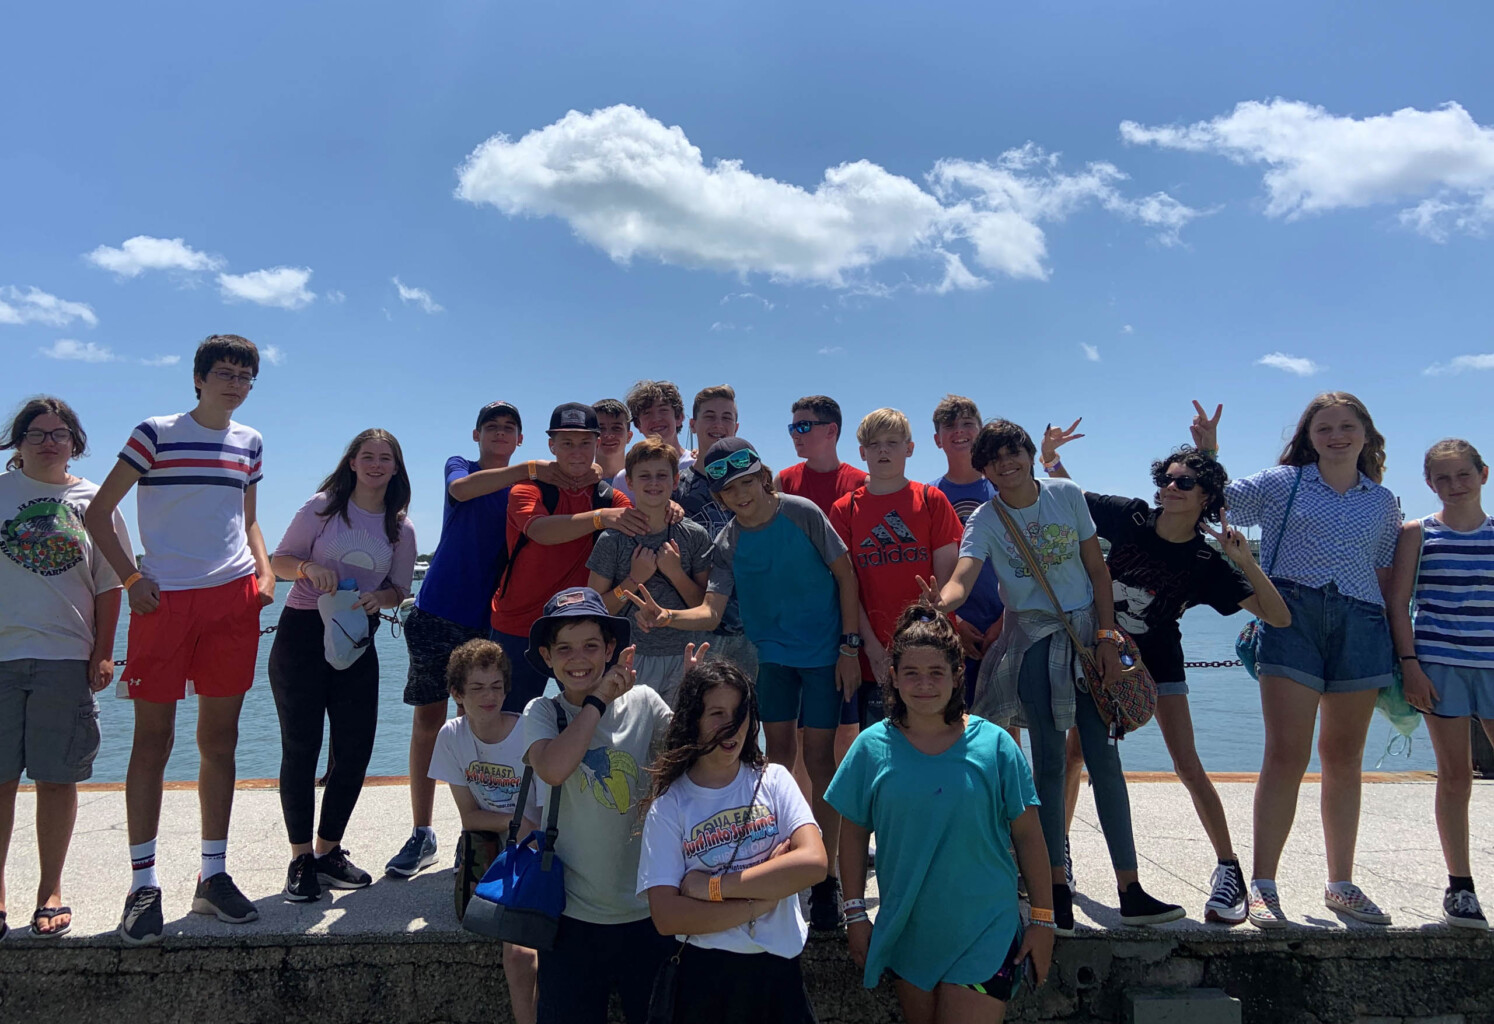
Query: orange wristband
{"type": "Point", "coordinates": [596, 521]}
{"type": "Point", "coordinates": [713, 889]}
{"type": "Point", "coordinates": [1041, 915]}
{"type": "Point", "coordinates": [533, 468]}
{"type": "Point", "coordinates": [135, 578]}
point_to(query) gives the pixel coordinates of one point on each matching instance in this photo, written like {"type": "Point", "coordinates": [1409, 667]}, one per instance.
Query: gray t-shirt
{"type": "Point", "coordinates": [600, 830]}
{"type": "Point", "coordinates": [1055, 527]}
{"type": "Point", "coordinates": [612, 557]}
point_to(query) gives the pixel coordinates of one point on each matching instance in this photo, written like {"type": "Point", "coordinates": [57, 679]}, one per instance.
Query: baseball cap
{"type": "Point", "coordinates": [573, 603]}
{"type": "Point", "coordinates": [495, 409]}
{"type": "Point", "coordinates": [574, 416]}
{"type": "Point", "coordinates": [729, 459]}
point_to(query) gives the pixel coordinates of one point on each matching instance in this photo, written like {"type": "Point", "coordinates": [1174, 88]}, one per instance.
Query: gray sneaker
{"type": "Point", "coordinates": [418, 853]}
{"type": "Point", "coordinates": [142, 922]}
{"type": "Point", "coordinates": [221, 898]}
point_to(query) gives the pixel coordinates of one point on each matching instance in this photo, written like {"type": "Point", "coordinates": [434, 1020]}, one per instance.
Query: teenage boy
{"type": "Point", "coordinates": [595, 741]}
{"type": "Point", "coordinates": [613, 436]}
{"type": "Point", "coordinates": [821, 477]}
{"type": "Point", "coordinates": [480, 755]}
{"type": "Point", "coordinates": [657, 410]}
{"type": "Point", "coordinates": [452, 606]}
{"type": "Point", "coordinates": [551, 530]}
{"type": "Point", "coordinates": [713, 417]}
{"type": "Point", "coordinates": [800, 606]}
{"type": "Point", "coordinates": [956, 424]}
{"type": "Point", "coordinates": [896, 531]}
{"type": "Point", "coordinates": [672, 560]}
{"type": "Point", "coordinates": [194, 623]}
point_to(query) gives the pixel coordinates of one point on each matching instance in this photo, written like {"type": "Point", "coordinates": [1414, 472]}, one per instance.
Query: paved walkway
{"type": "Point", "coordinates": [1399, 861]}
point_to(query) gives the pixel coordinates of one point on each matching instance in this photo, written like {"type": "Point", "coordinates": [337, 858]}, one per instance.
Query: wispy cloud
{"type": "Point", "coordinates": [34, 306]}
{"type": "Point", "coordinates": [723, 325]}
{"type": "Point", "coordinates": [161, 361]}
{"type": "Point", "coordinates": [1127, 329]}
{"type": "Point", "coordinates": [281, 287]}
{"type": "Point", "coordinates": [747, 297]}
{"type": "Point", "coordinates": [1090, 352]}
{"type": "Point", "coordinates": [1291, 364]}
{"type": "Point", "coordinates": [832, 350]}
{"type": "Point", "coordinates": [78, 351]}
{"type": "Point", "coordinates": [1458, 364]}
{"type": "Point", "coordinates": [142, 253]}
{"type": "Point", "coordinates": [335, 297]}
{"type": "Point", "coordinates": [273, 354]}
{"type": "Point", "coordinates": [419, 296]}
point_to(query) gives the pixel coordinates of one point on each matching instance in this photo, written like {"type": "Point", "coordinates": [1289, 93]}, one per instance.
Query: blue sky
{"type": "Point", "coordinates": [931, 199]}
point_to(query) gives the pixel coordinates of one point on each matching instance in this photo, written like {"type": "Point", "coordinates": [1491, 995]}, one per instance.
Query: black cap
{"type": "Point", "coordinates": [571, 603]}
{"type": "Point", "coordinates": [722, 450]}
{"type": "Point", "coordinates": [574, 416]}
{"type": "Point", "coordinates": [493, 410]}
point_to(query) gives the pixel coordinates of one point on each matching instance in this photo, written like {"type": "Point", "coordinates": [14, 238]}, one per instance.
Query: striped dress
{"type": "Point", "coordinates": [1455, 596]}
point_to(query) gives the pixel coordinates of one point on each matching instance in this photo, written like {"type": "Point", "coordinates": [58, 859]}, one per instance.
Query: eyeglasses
{"type": "Point", "coordinates": [805, 426]}
{"type": "Point", "coordinates": [739, 459]}
{"type": "Point", "coordinates": [229, 377]}
{"type": "Point", "coordinates": [62, 435]}
{"type": "Point", "coordinates": [1182, 483]}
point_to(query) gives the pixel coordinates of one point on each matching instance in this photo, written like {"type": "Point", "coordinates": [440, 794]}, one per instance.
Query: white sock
{"type": "Point", "coordinates": [426, 830]}
{"type": "Point", "coordinates": [213, 853]}
{"type": "Point", "coordinates": [1342, 888]}
{"type": "Point", "coordinates": [1264, 884]}
{"type": "Point", "coordinates": [143, 865]}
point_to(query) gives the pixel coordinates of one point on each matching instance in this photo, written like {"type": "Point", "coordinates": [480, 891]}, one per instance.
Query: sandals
{"type": "Point", "coordinates": [48, 913]}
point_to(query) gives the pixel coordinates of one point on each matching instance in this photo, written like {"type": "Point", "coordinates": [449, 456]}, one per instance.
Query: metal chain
{"type": "Point", "coordinates": [1214, 664]}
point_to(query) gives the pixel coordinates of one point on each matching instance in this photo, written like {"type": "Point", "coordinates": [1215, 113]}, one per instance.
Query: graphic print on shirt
{"type": "Point", "coordinates": [890, 541]}
{"type": "Point", "coordinates": [360, 548]}
{"type": "Point", "coordinates": [714, 840]}
{"type": "Point", "coordinates": [1131, 604]}
{"type": "Point", "coordinates": [610, 775]}
{"type": "Point", "coordinates": [499, 780]}
{"type": "Point", "coordinates": [1054, 544]}
{"type": "Point", "coordinates": [46, 536]}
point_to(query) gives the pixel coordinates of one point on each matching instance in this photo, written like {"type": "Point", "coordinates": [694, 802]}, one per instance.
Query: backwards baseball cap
{"type": "Point", "coordinates": [576, 603]}
{"type": "Point", "coordinates": [727, 460]}
{"type": "Point", "coordinates": [574, 416]}
{"type": "Point", "coordinates": [493, 410]}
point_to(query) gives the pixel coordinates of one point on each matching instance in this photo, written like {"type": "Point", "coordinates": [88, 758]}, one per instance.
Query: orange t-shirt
{"type": "Point", "coordinates": [892, 538]}
{"type": "Point", "coordinates": [542, 570]}
{"type": "Point", "coordinates": [824, 489]}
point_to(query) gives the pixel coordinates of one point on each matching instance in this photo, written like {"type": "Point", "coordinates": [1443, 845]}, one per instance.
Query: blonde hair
{"type": "Point", "coordinates": [883, 421]}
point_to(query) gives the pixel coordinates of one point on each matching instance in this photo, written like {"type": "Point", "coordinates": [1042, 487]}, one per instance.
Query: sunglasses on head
{"type": "Point", "coordinates": [739, 459]}
{"type": "Point", "coordinates": [805, 426]}
{"type": "Point", "coordinates": [1182, 483]}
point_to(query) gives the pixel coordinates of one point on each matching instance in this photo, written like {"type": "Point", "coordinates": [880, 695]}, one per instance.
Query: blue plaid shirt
{"type": "Point", "coordinates": [1331, 538]}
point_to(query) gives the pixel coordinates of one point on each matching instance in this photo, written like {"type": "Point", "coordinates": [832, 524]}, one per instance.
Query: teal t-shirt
{"type": "Point", "coordinates": [947, 880]}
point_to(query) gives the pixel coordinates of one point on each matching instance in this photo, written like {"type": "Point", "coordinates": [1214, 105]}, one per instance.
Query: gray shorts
{"type": "Point", "coordinates": [49, 721]}
{"type": "Point", "coordinates": [661, 672]}
{"type": "Point", "coordinates": [736, 648]}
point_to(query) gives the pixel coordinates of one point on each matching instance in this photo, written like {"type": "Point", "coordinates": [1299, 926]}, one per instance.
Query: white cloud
{"type": "Point", "coordinates": [36, 306]}
{"type": "Point", "coordinates": [284, 287]}
{"type": "Point", "coordinates": [832, 350]}
{"type": "Point", "coordinates": [1090, 352]}
{"type": "Point", "coordinates": [335, 297]}
{"type": "Point", "coordinates": [1291, 364]}
{"type": "Point", "coordinates": [1127, 329]}
{"type": "Point", "coordinates": [78, 351]}
{"type": "Point", "coordinates": [633, 187]}
{"type": "Point", "coordinates": [1319, 161]}
{"type": "Point", "coordinates": [1484, 361]}
{"type": "Point", "coordinates": [273, 354]}
{"type": "Point", "coordinates": [723, 325]}
{"type": "Point", "coordinates": [419, 296]}
{"type": "Point", "coordinates": [747, 297]}
{"type": "Point", "coordinates": [161, 361]}
{"type": "Point", "coordinates": [142, 253]}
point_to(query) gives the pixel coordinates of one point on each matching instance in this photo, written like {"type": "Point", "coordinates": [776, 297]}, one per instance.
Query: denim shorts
{"type": "Point", "coordinates": [808, 695]}
{"type": "Point", "coordinates": [1461, 691]}
{"type": "Point", "coordinates": [1176, 689]}
{"type": "Point", "coordinates": [1335, 644]}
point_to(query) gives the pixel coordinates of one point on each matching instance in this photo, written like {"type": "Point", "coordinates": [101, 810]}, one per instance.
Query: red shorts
{"type": "Point", "coordinates": [196, 641]}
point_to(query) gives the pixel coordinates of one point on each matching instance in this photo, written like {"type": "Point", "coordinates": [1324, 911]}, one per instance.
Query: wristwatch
{"type": "Point", "coordinates": [851, 640]}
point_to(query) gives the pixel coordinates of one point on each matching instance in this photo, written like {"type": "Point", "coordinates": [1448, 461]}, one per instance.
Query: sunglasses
{"type": "Point", "coordinates": [739, 459]}
{"type": "Point", "coordinates": [805, 426]}
{"type": "Point", "coordinates": [1182, 483]}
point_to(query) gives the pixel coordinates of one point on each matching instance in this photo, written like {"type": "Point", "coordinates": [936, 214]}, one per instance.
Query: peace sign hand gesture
{"type": "Point", "coordinates": [695, 655]}
{"type": "Point", "coordinates": [1204, 428]}
{"type": "Point", "coordinates": [928, 593]}
{"type": "Point", "coordinates": [619, 678]}
{"type": "Point", "coordinates": [1055, 438]}
{"type": "Point", "coordinates": [1234, 544]}
{"type": "Point", "coordinates": [649, 615]}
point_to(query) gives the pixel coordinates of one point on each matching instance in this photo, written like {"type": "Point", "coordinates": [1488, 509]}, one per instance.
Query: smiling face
{"type": "Point", "coordinates": [886, 455]}
{"type": "Point", "coordinates": [374, 465]}
{"type": "Point", "coordinates": [1010, 469]}
{"type": "Point", "coordinates": [924, 679]}
{"type": "Point", "coordinates": [483, 694]}
{"type": "Point", "coordinates": [578, 656]}
{"type": "Point", "coordinates": [957, 437]}
{"type": "Point", "coordinates": [716, 419]}
{"type": "Point", "coordinates": [653, 483]}
{"type": "Point", "coordinates": [498, 438]}
{"type": "Point", "coordinates": [747, 499]}
{"type": "Point", "coordinates": [613, 442]}
{"type": "Point", "coordinates": [661, 420]}
{"type": "Point", "coordinates": [574, 450]}
{"type": "Point", "coordinates": [1190, 503]}
{"type": "Point", "coordinates": [719, 709]}
{"type": "Point", "coordinates": [1457, 481]}
{"type": "Point", "coordinates": [1337, 435]}
{"type": "Point", "coordinates": [226, 385]}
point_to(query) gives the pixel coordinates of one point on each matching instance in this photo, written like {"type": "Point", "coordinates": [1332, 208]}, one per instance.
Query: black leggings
{"type": "Point", "coordinates": [307, 690]}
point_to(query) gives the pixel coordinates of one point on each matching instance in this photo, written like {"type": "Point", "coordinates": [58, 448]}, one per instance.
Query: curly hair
{"type": "Point", "coordinates": [1300, 452]}
{"type": "Point", "coordinates": [921, 626]}
{"type": "Point", "coordinates": [1211, 477]}
{"type": "Point", "coordinates": [994, 438]}
{"type": "Point", "coordinates": [683, 746]}
{"type": "Point", "coordinates": [475, 654]}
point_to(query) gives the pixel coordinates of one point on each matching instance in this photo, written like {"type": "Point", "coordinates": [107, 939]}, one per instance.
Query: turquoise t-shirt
{"type": "Point", "coordinates": [947, 880]}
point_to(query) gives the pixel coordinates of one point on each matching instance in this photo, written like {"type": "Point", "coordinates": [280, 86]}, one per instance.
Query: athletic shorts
{"type": "Point", "coordinates": [736, 648]}
{"type": "Point", "coordinates": [808, 695]}
{"type": "Point", "coordinates": [49, 721]}
{"type": "Point", "coordinates": [1461, 691]}
{"type": "Point", "coordinates": [1003, 983]}
{"type": "Point", "coordinates": [662, 673]}
{"type": "Point", "coordinates": [431, 639]}
{"type": "Point", "coordinates": [196, 641]}
{"type": "Point", "coordinates": [1335, 644]}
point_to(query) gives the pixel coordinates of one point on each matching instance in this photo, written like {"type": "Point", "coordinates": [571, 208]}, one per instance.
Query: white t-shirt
{"type": "Point", "coordinates": [691, 828]}
{"type": "Point", "coordinates": [50, 571]}
{"type": "Point", "coordinates": [1055, 526]}
{"type": "Point", "coordinates": [190, 499]}
{"type": "Point", "coordinates": [492, 772]}
{"type": "Point", "coordinates": [620, 482]}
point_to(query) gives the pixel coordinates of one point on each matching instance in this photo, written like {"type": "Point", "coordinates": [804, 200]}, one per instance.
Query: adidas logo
{"type": "Point", "coordinates": [890, 542]}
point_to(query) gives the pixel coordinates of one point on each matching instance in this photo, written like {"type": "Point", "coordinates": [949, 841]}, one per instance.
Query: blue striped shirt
{"type": "Point", "coordinates": [1332, 538]}
{"type": "Point", "coordinates": [1455, 595]}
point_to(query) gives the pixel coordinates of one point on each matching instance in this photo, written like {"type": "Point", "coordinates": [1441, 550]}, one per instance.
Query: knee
{"type": "Point", "coordinates": [219, 742]}
{"type": "Point", "coordinates": [1189, 769]}
{"type": "Point", "coordinates": [1455, 780]}
{"type": "Point", "coordinates": [152, 750]}
{"type": "Point", "coordinates": [1341, 757]}
{"type": "Point", "coordinates": [520, 962]}
{"type": "Point", "coordinates": [429, 719]}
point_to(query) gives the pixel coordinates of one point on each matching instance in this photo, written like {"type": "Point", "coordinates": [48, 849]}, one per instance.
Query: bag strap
{"type": "Point", "coordinates": [552, 815]}
{"type": "Point", "coordinates": [518, 815]}
{"type": "Point", "coordinates": [1281, 534]}
{"type": "Point", "coordinates": [1035, 568]}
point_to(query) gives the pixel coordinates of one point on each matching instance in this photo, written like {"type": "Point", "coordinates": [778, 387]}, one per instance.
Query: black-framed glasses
{"type": "Point", "coordinates": [742, 458]}
{"type": "Point", "coordinates": [229, 377]}
{"type": "Point", "coordinates": [805, 426]}
{"type": "Point", "coordinates": [62, 435]}
{"type": "Point", "coordinates": [1182, 483]}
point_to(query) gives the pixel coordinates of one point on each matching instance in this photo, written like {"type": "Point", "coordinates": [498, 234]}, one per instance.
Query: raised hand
{"type": "Point", "coordinates": [1055, 438]}
{"type": "Point", "coordinates": [649, 614]}
{"type": "Point", "coordinates": [1231, 541]}
{"type": "Point", "coordinates": [644, 564]}
{"type": "Point", "coordinates": [1204, 428]}
{"type": "Point", "coordinates": [619, 678]}
{"type": "Point", "coordinates": [695, 655]}
{"type": "Point", "coordinates": [928, 592]}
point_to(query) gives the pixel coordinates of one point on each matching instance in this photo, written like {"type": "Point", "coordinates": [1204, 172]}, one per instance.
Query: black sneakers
{"type": "Point", "coordinates": [1229, 896]}
{"type": "Point", "coordinates": [1063, 909]}
{"type": "Point", "coordinates": [1139, 908]}
{"type": "Point", "coordinates": [335, 871]}
{"type": "Point", "coordinates": [142, 921]}
{"type": "Point", "coordinates": [1460, 909]}
{"type": "Point", "coordinates": [301, 883]}
{"type": "Point", "coordinates": [221, 898]}
{"type": "Point", "coordinates": [824, 905]}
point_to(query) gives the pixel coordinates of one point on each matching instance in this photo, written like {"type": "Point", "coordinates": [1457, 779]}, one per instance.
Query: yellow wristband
{"type": "Point", "coordinates": [596, 521]}
{"type": "Point", "coordinates": [713, 889]}
{"type": "Point", "coordinates": [135, 578]}
{"type": "Point", "coordinates": [301, 569]}
{"type": "Point", "coordinates": [1041, 915]}
{"type": "Point", "coordinates": [533, 468]}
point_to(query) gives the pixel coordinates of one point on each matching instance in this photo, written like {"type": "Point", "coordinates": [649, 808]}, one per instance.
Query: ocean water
{"type": "Point", "coordinates": [1225, 704]}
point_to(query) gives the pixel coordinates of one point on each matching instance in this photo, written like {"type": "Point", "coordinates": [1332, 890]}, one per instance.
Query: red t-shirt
{"type": "Point", "coordinates": [541, 570]}
{"type": "Point", "coordinates": [824, 489]}
{"type": "Point", "coordinates": [892, 539]}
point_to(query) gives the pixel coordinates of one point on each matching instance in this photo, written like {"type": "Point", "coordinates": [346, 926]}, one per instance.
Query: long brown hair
{"type": "Point", "coordinates": [40, 406]}
{"type": "Point", "coordinates": [921, 626]}
{"type": "Point", "coordinates": [683, 746]}
{"type": "Point", "coordinates": [340, 483]}
{"type": "Point", "coordinates": [1300, 452]}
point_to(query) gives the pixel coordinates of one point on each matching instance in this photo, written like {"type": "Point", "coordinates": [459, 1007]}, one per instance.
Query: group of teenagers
{"type": "Point", "coordinates": [757, 674]}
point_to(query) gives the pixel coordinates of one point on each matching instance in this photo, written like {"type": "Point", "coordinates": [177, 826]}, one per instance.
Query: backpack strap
{"type": "Point", "coordinates": [552, 815]}
{"type": "Point", "coordinates": [550, 497]}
